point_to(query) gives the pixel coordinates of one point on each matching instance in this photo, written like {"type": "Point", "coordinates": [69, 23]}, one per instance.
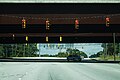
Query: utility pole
{"type": "Point", "coordinates": [119, 50]}
{"type": "Point", "coordinates": [6, 52]}
{"type": "Point", "coordinates": [119, 47]}
{"type": "Point", "coordinates": [12, 48]}
{"type": "Point", "coordinates": [114, 45]}
{"type": "Point", "coordinates": [106, 49]}
{"type": "Point", "coordinates": [24, 51]}
{"type": "Point", "coordinates": [104, 53]}
{"type": "Point", "coordinates": [16, 50]}
{"type": "Point", "coordinates": [29, 54]}
{"type": "Point", "coordinates": [39, 50]}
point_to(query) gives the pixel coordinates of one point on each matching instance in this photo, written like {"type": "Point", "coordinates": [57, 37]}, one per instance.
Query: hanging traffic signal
{"type": "Point", "coordinates": [47, 24]}
{"type": "Point", "coordinates": [107, 22]}
{"type": "Point", "coordinates": [26, 38]}
{"type": "Point", "coordinates": [46, 39]}
{"type": "Point", "coordinates": [23, 23]}
{"type": "Point", "coordinates": [76, 24]}
{"type": "Point", "coordinates": [13, 36]}
{"type": "Point", "coordinates": [60, 38]}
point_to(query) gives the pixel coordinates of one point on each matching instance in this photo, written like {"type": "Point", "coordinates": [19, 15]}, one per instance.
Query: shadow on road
{"type": "Point", "coordinates": [54, 60]}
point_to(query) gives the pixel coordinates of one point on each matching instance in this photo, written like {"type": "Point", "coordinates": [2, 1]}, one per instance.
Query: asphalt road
{"type": "Point", "coordinates": [58, 71]}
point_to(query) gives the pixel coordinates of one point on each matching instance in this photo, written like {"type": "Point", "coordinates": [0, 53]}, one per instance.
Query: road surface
{"type": "Point", "coordinates": [58, 71]}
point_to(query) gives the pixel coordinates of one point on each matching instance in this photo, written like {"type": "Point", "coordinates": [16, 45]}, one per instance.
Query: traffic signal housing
{"type": "Point", "coordinates": [47, 24]}
{"type": "Point", "coordinates": [26, 38]}
{"type": "Point", "coordinates": [60, 38]}
{"type": "Point", "coordinates": [46, 38]}
{"type": "Point", "coordinates": [13, 36]}
{"type": "Point", "coordinates": [107, 21]}
{"type": "Point", "coordinates": [76, 24]}
{"type": "Point", "coordinates": [23, 23]}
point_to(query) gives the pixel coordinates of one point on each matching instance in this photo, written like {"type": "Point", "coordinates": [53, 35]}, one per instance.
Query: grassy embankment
{"type": "Point", "coordinates": [109, 58]}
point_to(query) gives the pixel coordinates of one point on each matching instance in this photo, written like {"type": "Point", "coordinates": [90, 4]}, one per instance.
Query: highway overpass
{"type": "Point", "coordinates": [92, 27]}
{"type": "Point", "coordinates": [59, 1]}
{"type": "Point", "coordinates": [55, 38]}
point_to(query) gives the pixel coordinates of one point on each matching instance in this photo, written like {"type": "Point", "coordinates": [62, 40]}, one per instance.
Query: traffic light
{"type": "Point", "coordinates": [47, 24]}
{"type": "Point", "coordinates": [76, 24]}
{"type": "Point", "coordinates": [107, 21]}
{"type": "Point", "coordinates": [13, 36]}
{"type": "Point", "coordinates": [26, 38]}
{"type": "Point", "coordinates": [60, 38]}
{"type": "Point", "coordinates": [23, 23]}
{"type": "Point", "coordinates": [46, 39]}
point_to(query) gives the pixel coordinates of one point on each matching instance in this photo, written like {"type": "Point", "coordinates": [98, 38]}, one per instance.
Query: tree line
{"type": "Point", "coordinates": [30, 50]}
{"type": "Point", "coordinates": [18, 50]}
{"type": "Point", "coordinates": [108, 50]}
{"type": "Point", "coordinates": [68, 51]}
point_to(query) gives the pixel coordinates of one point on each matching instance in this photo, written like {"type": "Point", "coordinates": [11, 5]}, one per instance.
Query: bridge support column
{"type": "Point", "coordinates": [114, 46]}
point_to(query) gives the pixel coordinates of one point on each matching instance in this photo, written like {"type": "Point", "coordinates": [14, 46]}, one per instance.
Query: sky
{"type": "Point", "coordinates": [88, 48]}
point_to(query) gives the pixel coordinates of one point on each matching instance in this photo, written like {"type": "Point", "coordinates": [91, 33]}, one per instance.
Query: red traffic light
{"type": "Point", "coordinates": [76, 21]}
{"type": "Point", "coordinates": [23, 23]}
{"type": "Point", "coordinates": [76, 24]}
{"type": "Point", "coordinates": [107, 19]}
{"type": "Point", "coordinates": [107, 22]}
{"type": "Point", "coordinates": [47, 24]}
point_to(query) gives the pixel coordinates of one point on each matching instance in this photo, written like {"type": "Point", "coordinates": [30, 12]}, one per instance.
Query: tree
{"type": "Point", "coordinates": [1, 51]}
{"type": "Point", "coordinates": [96, 55]}
{"type": "Point", "coordinates": [110, 48]}
{"type": "Point", "coordinates": [83, 54]}
{"type": "Point", "coordinates": [69, 50]}
{"type": "Point", "coordinates": [45, 55]}
{"type": "Point", "coordinates": [17, 50]}
{"type": "Point", "coordinates": [62, 54]}
{"type": "Point", "coordinates": [76, 51]}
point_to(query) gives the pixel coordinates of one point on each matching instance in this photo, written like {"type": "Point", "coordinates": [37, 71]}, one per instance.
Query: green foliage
{"type": "Point", "coordinates": [45, 55]}
{"type": "Point", "coordinates": [18, 50]}
{"type": "Point", "coordinates": [62, 54]}
{"type": "Point", "coordinates": [76, 51]}
{"type": "Point", "coordinates": [69, 51]}
{"type": "Point", "coordinates": [96, 55]}
{"type": "Point", "coordinates": [110, 48]}
{"type": "Point", "coordinates": [2, 51]}
{"type": "Point", "coordinates": [83, 54]}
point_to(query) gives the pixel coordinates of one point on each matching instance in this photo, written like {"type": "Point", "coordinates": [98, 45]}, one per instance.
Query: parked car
{"type": "Point", "coordinates": [74, 58]}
